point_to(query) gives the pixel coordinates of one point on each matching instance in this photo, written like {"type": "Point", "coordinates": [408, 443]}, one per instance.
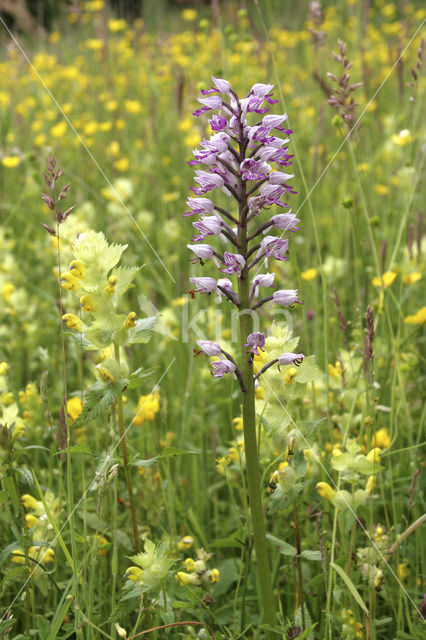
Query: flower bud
{"type": "Point", "coordinates": [325, 490]}
{"type": "Point", "coordinates": [130, 320]}
{"type": "Point", "coordinates": [73, 322]}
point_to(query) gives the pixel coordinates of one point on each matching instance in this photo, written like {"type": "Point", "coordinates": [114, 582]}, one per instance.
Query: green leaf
{"type": "Point", "coordinates": [125, 277]}
{"type": "Point", "coordinates": [6, 625]}
{"type": "Point", "coordinates": [350, 585]}
{"type": "Point", "coordinates": [82, 340]}
{"type": "Point", "coordinates": [144, 463]}
{"type": "Point", "coordinates": [43, 627]}
{"type": "Point", "coordinates": [307, 371]}
{"type": "Point", "coordinates": [283, 547]}
{"type": "Point", "coordinates": [142, 331]}
{"type": "Point", "coordinates": [62, 608]}
{"type": "Point", "coordinates": [83, 447]}
{"type": "Point", "coordinates": [11, 492]}
{"type": "Point", "coordinates": [137, 376]}
{"type": "Point", "coordinates": [342, 462]}
{"type": "Point", "coordinates": [315, 556]}
{"type": "Point", "coordinates": [7, 551]}
{"type": "Point", "coordinates": [98, 400]}
{"type": "Point", "coordinates": [169, 452]}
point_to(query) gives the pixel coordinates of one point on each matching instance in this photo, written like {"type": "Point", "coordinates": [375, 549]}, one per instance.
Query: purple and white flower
{"type": "Point", "coordinates": [279, 177]}
{"type": "Point", "coordinates": [226, 284]}
{"type": "Point", "coordinates": [218, 123]}
{"type": "Point", "coordinates": [261, 280]}
{"type": "Point", "coordinates": [274, 247]}
{"type": "Point", "coordinates": [285, 297]}
{"type": "Point", "coordinates": [207, 182]}
{"type": "Point", "coordinates": [212, 102]}
{"type": "Point", "coordinates": [233, 262]}
{"type": "Point", "coordinates": [285, 221]}
{"type": "Point", "coordinates": [236, 154]}
{"type": "Point", "coordinates": [290, 358]}
{"type": "Point", "coordinates": [254, 170]}
{"type": "Point", "coordinates": [220, 367]}
{"type": "Point", "coordinates": [207, 226]}
{"type": "Point", "coordinates": [199, 205]}
{"type": "Point", "coordinates": [256, 341]}
{"type": "Point", "coordinates": [204, 285]}
{"type": "Point", "coordinates": [222, 85]}
{"type": "Point", "coordinates": [209, 347]}
{"type": "Point", "coordinates": [203, 252]}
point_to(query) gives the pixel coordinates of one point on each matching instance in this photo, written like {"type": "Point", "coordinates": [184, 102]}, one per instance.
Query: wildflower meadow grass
{"type": "Point", "coordinates": [212, 307]}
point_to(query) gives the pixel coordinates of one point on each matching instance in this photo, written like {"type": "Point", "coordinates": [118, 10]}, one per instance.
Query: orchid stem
{"type": "Point", "coordinates": [249, 426]}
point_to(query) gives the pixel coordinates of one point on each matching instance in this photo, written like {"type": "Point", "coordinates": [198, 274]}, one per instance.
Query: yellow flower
{"type": "Point", "coordinates": [116, 25]}
{"type": "Point", "coordinates": [133, 106]}
{"type": "Point", "coordinates": [185, 543]}
{"type": "Point", "coordinates": [182, 577]}
{"type": "Point", "coordinates": [59, 130]}
{"type": "Point", "coordinates": [10, 161]}
{"type": "Point", "coordinates": [238, 423]}
{"type": "Point", "coordinates": [134, 574]}
{"type": "Point", "coordinates": [172, 196]}
{"type": "Point", "coordinates": [31, 520]}
{"type": "Point", "coordinates": [94, 5]}
{"type": "Point", "coordinates": [411, 278]}
{"type": "Point", "coordinates": [130, 320]}
{"type": "Point", "coordinates": [189, 15]}
{"type": "Point", "coordinates": [18, 556]}
{"type": "Point", "coordinates": [403, 571]}
{"type": "Point", "coordinates": [371, 484]}
{"type": "Point", "coordinates": [148, 407]}
{"type": "Point", "coordinates": [95, 44]}
{"type": "Point", "coordinates": [32, 504]}
{"type": "Point", "coordinates": [74, 407]}
{"type": "Point", "coordinates": [374, 455]}
{"type": "Point", "coordinates": [40, 140]}
{"type": "Point", "coordinates": [290, 376]}
{"type": "Point", "coordinates": [190, 564]}
{"type": "Point", "coordinates": [54, 37]}
{"type": "Point", "coordinates": [363, 166]}
{"type": "Point", "coordinates": [3, 368]}
{"type": "Point", "coordinates": [122, 164]}
{"type": "Point", "coordinates": [259, 393]}
{"type": "Point", "coordinates": [73, 322]}
{"type": "Point", "coordinates": [86, 303]}
{"type": "Point", "coordinates": [214, 576]}
{"type": "Point", "coordinates": [325, 490]}
{"type": "Point", "coordinates": [309, 274]}
{"type": "Point", "coordinates": [402, 138]}
{"type": "Point", "coordinates": [102, 544]}
{"type": "Point", "coordinates": [381, 189]}
{"type": "Point", "coordinates": [185, 125]}
{"type": "Point", "coordinates": [418, 318]}
{"type": "Point", "coordinates": [381, 439]}
{"type": "Point", "coordinates": [111, 105]}
{"type": "Point", "coordinates": [180, 302]}
{"type": "Point", "coordinates": [385, 281]}
{"type": "Point", "coordinates": [112, 282]}
{"type": "Point", "coordinates": [192, 140]}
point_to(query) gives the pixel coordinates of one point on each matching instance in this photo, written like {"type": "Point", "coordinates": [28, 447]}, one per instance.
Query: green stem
{"type": "Point", "coordinates": [251, 450]}
{"type": "Point", "coordinates": [126, 457]}
{"type": "Point", "coordinates": [299, 564]}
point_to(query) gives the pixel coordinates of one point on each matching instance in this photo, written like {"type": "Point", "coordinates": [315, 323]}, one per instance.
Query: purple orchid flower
{"type": "Point", "coordinates": [256, 341]}
{"type": "Point", "coordinates": [220, 367]}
